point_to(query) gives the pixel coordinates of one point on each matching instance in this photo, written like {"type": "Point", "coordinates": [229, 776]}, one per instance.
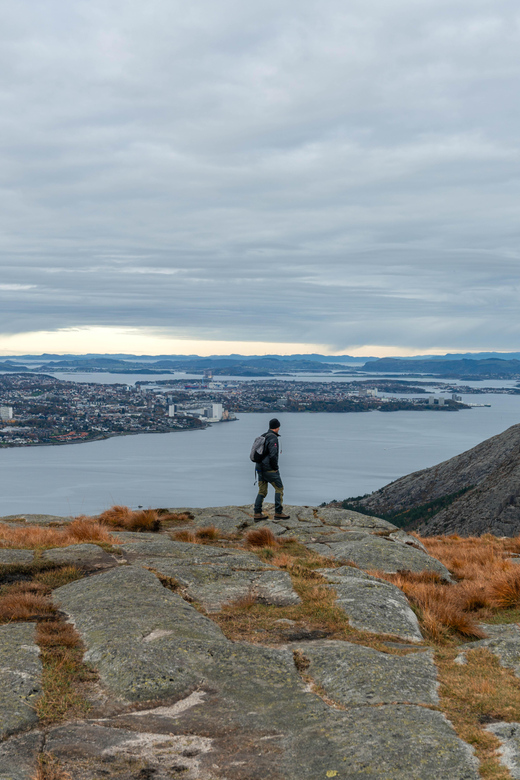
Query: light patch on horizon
{"type": "Point", "coordinates": [134, 342]}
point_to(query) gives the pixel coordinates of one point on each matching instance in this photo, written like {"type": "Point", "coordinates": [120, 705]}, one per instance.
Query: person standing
{"type": "Point", "coordinates": [268, 474]}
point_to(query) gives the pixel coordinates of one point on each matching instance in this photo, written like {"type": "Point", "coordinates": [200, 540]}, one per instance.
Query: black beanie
{"type": "Point", "coordinates": [274, 423]}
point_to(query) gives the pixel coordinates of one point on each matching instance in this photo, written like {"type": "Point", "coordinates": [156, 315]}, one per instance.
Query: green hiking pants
{"type": "Point", "coordinates": [266, 478]}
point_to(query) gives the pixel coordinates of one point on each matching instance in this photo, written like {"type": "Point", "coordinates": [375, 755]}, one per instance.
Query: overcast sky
{"type": "Point", "coordinates": [222, 175]}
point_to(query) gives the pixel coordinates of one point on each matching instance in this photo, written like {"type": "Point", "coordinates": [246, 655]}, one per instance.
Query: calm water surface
{"type": "Point", "coordinates": [324, 456]}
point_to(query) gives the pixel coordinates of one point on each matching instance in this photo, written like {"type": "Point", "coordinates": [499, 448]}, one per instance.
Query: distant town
{"type": "Point", "coordinates": [38, 409]}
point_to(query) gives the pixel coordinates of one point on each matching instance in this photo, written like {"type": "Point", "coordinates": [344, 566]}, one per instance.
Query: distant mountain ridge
{"type": "Point", "coordinates": [470, 366]}
{"type": "Point", "coordinates": [480, 490]}
{"type": "Point", "coordinates": [297, 356]}
{"type": "Point", "coordinates": [487, 368]}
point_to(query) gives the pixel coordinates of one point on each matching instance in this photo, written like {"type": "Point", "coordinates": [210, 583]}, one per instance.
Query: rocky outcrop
{"type": "Point", "coordinates": [491, 471]}
{"type": "Point", "coordinates": [377, 553]}
{"type": "Point", "coordinates": [177, 697]}
{"type": "Point", "coordinates": [372, 604]}
{"type": "Point", "coordinates": [20, 677]}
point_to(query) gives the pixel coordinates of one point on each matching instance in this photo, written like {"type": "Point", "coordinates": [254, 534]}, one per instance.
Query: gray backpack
{"type": "Point", "coordinates": [258, 450]}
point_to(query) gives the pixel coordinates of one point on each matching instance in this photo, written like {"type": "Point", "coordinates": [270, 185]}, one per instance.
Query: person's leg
{"type": "Point", "coordinates": [276, 481]}
{"type": "Point", "coordinates": [262, 492]}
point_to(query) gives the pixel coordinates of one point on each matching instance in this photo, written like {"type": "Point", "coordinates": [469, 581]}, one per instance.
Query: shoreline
{"type": "Point", "coordinates": [105, 436]}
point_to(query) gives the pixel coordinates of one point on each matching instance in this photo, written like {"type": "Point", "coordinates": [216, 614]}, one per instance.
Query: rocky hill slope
{"type": "Point", "coordinates": [175, 696]}
{"type": "Point", "coordinates": [490, 475]}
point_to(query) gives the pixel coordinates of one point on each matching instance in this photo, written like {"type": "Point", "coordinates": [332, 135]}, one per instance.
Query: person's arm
{"type": "Point", "coordinates": [272, 443]}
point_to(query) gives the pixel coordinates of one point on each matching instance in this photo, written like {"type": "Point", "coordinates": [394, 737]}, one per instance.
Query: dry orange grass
{"type": "Point", "coordinates": [185, 536]}
{"type": "Point", "coordinates": [201, 535]}
{"type": "Point", "coordinates": [468, 558]}
{"type": "Point", "coordinates": [125, 519]}
{"type": "Point", "coordinates": [37, 536]}
{"type": "Point", "coordinates": [487, 581]}
{"type": "Point", "coordinates": [55, 633]}
{"type": "Point", "coordinates": [49, 769]}
{"type": "Point", "coordinates": [174, 518]}
{"type": "Point", "coordinates": [261, 537]}
{"type": "Point", "coordinates": [25, 601]}
{"type": "Point", "coordinates": [208, 534]}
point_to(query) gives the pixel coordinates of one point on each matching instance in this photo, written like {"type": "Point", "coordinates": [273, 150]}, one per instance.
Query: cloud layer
{"type": "Point", "coordinates": [277, 172]}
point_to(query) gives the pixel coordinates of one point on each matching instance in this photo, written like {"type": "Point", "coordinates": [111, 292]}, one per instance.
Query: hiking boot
{"type": "Point", "coordinates": [281, 516]}
{"type": "Point", "coordinates": [260, 516]}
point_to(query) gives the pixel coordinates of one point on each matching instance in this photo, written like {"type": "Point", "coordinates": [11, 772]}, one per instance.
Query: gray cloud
{"type": "Point", "coordinates": [264, 171]}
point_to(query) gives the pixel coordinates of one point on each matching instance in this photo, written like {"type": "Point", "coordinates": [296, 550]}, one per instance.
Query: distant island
{"type": "Point", "coordinates": [469, 367]}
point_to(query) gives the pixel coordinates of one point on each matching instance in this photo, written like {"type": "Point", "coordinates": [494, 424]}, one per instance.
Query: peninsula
{"type": "Point", "coordinates": [39, 409]}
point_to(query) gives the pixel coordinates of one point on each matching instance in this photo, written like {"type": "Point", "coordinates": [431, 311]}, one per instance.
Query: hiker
{"type": "Point", "coordinates": [267, 472]}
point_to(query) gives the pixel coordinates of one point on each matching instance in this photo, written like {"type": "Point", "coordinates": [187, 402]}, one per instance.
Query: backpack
{"type": "Point", "coordinates": [258, 450]}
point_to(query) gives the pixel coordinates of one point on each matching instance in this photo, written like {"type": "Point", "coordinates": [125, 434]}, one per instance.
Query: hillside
{"type": "Point", "coordinates": [489, 475]}
{"type": "Point", "coordinates": [193, 643]}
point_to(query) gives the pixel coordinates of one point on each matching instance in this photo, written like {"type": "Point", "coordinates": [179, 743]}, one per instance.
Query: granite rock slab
{"type": "Point", "coordinates": [20, 677]}
{"type": "Point", "coordinates": [404, 538]}
{"type": "Point", "coordinates": [92, 751]}
{"type": "Point", "coordinates": [38, 519]}
{"type": "Point", "coordinates": [347, 518]}
{"type": "Point", "coordinates": [89, 556]}
{"type": "Point", "coordinates": [509, 753]}
{"type": "Point", "coordinates": [352, 674]}
{"type": "Point", "coordinates": [251, 700]}
{"type": "Point", "coordinates": [392, 742]}
{"type": "Point", "coordinates": [213, 586]}
{"type": "Point", "coordinates": [164, 547]}
{"type": "Point", "coordinates": [136, 536]}
{"type": "Point", "coordinates": [227, 518]}
{"type": "Point", "coordinates": [131, 646]}
{"type": "Point", "coordinates": [8, 556]}
{"type": "Point", "coordinates": [302, 514]}
{"type": "Point", "coordinates": [503, 641]}
{"type": "Point", "coordinates": [372, 604]}
{"type": "Point", "coordinates": [18, 756]}
{"type": "Point", "coordinates": [377, 553]}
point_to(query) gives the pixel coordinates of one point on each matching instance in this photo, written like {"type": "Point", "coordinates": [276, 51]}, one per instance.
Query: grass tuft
{"type": "Point", "coordinates": [124, 519]}
{"type": "Point", "coordinates": [49, 769]}
{"type": "Point", "coordinates": [168, 518]}
{"type": "Point", "coordinates": [55, 578]}
{"type": "Point", "coordinates": [40, 537]}
{"type": "Point", "coordinates": [25, 601]}
{"type": "Point", "coordinates": [261, 537]}
{"type": "Point", "coordinates": [208, 534]}
{"type": "Point", "coordinates": [184, 536]}
{"type": "Point", "coordinates": [64, 673]}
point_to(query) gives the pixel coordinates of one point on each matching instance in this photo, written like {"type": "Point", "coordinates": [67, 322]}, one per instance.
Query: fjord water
{"type": "Point", "coordinates": [324, 457]}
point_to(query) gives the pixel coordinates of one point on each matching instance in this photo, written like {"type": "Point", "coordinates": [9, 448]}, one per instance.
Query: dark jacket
{"type": "Point", "coordinates": [270, 462]}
